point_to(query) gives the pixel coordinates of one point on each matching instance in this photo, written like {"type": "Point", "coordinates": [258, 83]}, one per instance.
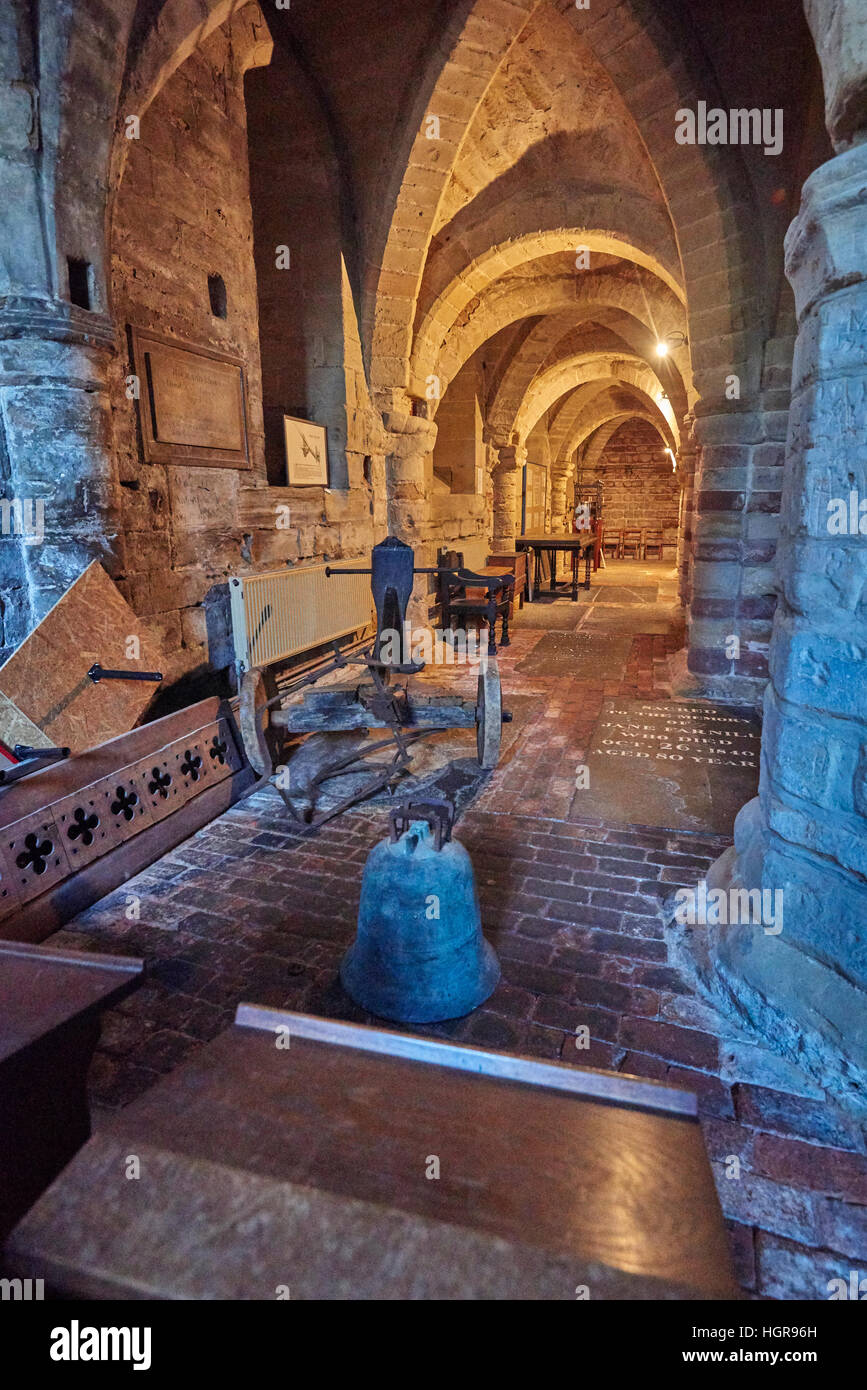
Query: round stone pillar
{"type": "Point", "coordinates": [510, 459]}
{"type": "Point", "coordinates": [409, 474]}
{"type": "Point", "coordinates": [59, 481]}
{"type": "Point", "coordinates": [687, 456]}
{"type": "Point", "coordinates": [805, 837]}
{"type": "Point", "coordinates": [735, 527]}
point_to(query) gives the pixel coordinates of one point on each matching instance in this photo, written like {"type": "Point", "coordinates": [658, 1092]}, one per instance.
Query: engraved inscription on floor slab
{"type": "Point", "coordinates": [684, 766]}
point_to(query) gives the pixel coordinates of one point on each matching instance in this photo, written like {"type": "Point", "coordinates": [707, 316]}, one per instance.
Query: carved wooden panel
{"type": "Point", "coordinates": [85, 825]}
{"type": "Point", "coordinates": [124, 802]}
{"type": "Point", "coordinates": [9, 899]}
{"type": "Point", "coordinates": [69, 833]}
{"type": "Point", "coordinates": [34, 852]}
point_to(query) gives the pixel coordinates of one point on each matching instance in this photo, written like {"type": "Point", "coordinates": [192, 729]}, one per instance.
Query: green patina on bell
{"type": "Point", "coordinates": [419, 955]}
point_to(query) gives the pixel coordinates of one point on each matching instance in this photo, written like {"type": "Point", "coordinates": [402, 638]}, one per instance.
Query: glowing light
{"type": "Point", "coordinates": [671, 340]}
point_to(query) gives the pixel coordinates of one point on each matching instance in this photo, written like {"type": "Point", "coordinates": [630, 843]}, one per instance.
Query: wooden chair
{"type": "Point", "coordinates": [633, 540]}
{"type": "Point", "coordinates": [613, 541]}
{"type": "Point", "coordinates": [653, 540]}
{"type": "Point", "coordinates": [598, 546]}
{"type": "Point", "coordinates": [464, 594]}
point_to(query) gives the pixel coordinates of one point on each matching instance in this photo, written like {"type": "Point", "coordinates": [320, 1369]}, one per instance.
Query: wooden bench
{"type": "Point", "coordinates": [552, 1177]}
{"type": "Point", "coordinates": [50, 1003]}
{"type": "Point", "coordinates": [72, 832]}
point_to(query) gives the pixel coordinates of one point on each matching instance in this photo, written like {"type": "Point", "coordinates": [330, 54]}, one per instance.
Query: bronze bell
{"type": "Point", "coordinates": [419, 955]}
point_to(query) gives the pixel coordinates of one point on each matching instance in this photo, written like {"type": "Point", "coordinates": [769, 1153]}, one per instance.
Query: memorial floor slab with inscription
{"type": "Point", "coordinates": [683, 765]}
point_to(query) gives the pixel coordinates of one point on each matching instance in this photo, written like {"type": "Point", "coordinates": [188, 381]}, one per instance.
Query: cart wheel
{"type": "Point", "coordinates": [261, 740]}
{"type": "Point", "coordinates": [489, 716]}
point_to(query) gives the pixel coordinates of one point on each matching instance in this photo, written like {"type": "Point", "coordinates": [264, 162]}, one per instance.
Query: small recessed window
{"type": "Point", "coordinates": [80, 282]}
{"type": "Point", "coordinates": [217, 295]}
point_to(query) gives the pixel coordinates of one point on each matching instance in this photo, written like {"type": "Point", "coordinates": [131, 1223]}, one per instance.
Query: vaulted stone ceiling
{"type": "Point", "coordinates": [552, 159]}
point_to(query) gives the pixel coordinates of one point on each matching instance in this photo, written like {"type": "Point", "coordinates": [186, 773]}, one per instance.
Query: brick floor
{"type": "Point", "coordinates": [250, 909]}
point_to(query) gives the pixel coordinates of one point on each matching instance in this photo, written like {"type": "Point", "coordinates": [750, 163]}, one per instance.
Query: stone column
{"type": "Point", "coordinates": [804, 836]}
{"type": "Point", "coordinates": [686, 467]}
{"type": "Point", "coordinates": [57, 474]}
{"type": "Point", "coordinates": [510, 459]}
{"type": "Point", "coordinates": [408, 471]}
{"type": "Point", "coordinates": [56, 456]}
{"type": "Point", "coordinates": [735, 524]}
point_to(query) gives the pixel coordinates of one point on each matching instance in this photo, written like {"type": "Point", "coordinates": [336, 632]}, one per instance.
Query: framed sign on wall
{"type": "Point", "coordinates": [192, 402]}
{"type": "Point", "coordinates": [306, 453]}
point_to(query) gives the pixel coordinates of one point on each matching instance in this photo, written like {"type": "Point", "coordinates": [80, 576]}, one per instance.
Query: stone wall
{"type": "Point", "coordinates": [736, 522]}
{"type": "Point", "coordinates": [459, 449]}
{"type": "Point", "coordinates": [639, 485]}
{"type": "Point", "coordinates": [183, 213]}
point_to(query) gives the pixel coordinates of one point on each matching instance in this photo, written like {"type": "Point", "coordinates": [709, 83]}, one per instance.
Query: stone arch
{"type": "Point", "coordinates": [131, 70]}
{"type": "Point", "coordinates": [617, 216]}
{"type": "Point", "coordinates": [643, 298]}
{"type": "Point", "coordinates": [475, 42]}
{"type": "Point", "coordinates": [657, 71]}
{"type": "Point", "coordinates": [599, 439]}
{"type": "Point", "coordinates": [585, 412]}
{"type": "Point", "coordinates": [183, 26]}
{"type": "Point", "coordinates": [540, 349]}
{"type": "Point", "coordinates": [476, 278]}
{"type": "Point", "coordinates": [562, 378]}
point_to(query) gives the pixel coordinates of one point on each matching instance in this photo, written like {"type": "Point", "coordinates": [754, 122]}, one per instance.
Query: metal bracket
{"type": "Point", "coordinates": [30, 760]}
{"type": "Point", "coordinates": [98, 673]}
{"type": "Point", "coordinates": [439, 815]}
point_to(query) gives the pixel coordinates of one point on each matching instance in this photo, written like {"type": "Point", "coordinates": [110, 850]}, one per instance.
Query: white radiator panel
{"type": "Point", "coordinates": [277, 615]}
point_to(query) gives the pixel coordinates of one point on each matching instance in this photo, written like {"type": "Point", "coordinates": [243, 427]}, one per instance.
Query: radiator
{"type": "Point", "coordinates": [277, 615]}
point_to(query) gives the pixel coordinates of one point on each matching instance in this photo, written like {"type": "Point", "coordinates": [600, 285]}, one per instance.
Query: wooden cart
{"type": "Point", "coordinates": [374, 701]}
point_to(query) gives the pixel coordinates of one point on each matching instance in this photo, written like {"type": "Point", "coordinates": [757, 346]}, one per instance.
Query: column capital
{"type": "Point", "coordinates": [839, 29]}
{"type": "Point", "coordinates": [410, 434]}
{"type": "Point", "coordinates": [825, 243]}
{"type": "Point", "coordinates": [510, 457]}
{"type": "Point", "coordinates": [54, 320]}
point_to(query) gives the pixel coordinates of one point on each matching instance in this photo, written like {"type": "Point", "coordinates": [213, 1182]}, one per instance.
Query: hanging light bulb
{"type": "Point", "coordinates": [671, 340]}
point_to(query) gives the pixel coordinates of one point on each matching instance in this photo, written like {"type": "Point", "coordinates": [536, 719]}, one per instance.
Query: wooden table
{"type": "Point", "coordinates": [50, 1002]}
{"type": "Point", "coordinates": [576, 544]}
{"type": "Point", "coordinates": [342, 1162]}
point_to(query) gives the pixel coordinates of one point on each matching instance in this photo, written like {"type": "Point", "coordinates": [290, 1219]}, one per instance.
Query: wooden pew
{"type": "Point", "coordinates": [344, 1162]}
{"type": "Point", "coordinates": [50, 1003]}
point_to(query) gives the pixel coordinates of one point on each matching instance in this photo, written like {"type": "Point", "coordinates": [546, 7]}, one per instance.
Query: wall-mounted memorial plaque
{"type": "Point", "coordinates": [192, 402]}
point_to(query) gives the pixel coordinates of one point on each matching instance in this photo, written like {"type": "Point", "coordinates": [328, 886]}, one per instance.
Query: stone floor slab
{"type": "Point", "coordinates": [580, 655]}
{"type": "Point", "coordinates": [683, 765]}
